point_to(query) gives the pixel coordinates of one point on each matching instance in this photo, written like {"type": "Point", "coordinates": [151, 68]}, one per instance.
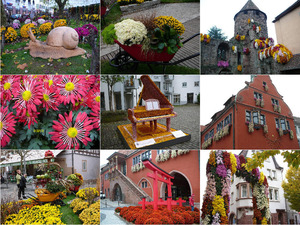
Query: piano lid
{"type": "Point", "coordinates": [151, 91]}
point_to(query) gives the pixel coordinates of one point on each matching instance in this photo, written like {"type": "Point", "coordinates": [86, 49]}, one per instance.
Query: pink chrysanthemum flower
{"type": "Point", "coordinates": [7, 123]}
{"type": "Point", "coordinates": [95, 116]}
{"type": "Point", "coordinates": [8, 85]}
{"type": "Point", "coordinates": [29, 119]}
{"type": "Point", "coordinates": [28, 96]}
{"type": "Point", "coordinates": [52, 80]}
{"type": "Point", "coordinates": [72, 88]}
{"type": "Point", "coordinates": [50, 97]}
{"type": "Point", "coordinates": [68, 135]}
{"type": "Point", "coordinates": [93, 97]}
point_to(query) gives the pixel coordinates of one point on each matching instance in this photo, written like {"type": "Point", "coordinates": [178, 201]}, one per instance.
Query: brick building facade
{"type": "Point", "coordinates": [256, 118]}
{"type": "Point", "coordinates": [124, 179]}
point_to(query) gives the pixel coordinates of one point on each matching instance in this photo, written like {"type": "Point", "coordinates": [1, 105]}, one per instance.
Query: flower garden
{"type": "Point", "coordinates": [50, 111]}
{"type": "Point", "coordinates": [178, 215]}
{"type": "Point", "coordinates": [53, 202]}
{"type": "Point", "coordinates": [17, 60]}
{"type": "Point", "coordinates": [220, 168]}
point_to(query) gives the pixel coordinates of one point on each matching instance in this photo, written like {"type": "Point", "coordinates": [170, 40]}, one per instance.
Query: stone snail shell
{"type": "Point", "coordinates": [65, 37]}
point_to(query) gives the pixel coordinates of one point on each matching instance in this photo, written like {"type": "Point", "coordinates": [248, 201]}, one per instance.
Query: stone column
{"type": "Point", "coordinates": [116, 162]}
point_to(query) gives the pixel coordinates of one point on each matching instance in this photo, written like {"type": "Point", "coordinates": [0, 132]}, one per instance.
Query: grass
{"type": "Point", "coordinates": [73, 65]}
{"type": "Point", "coordinates": [144, 69]}
{"type": "Point", "coordinates": [113, 16]}
{"type": "Point", "coordinates": [68, 217]}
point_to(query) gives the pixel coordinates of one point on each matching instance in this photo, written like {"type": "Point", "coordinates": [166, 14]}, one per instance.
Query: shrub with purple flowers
{"type": "Point", "coordinates": [16, 25]}
{"type": "Point", "coordinates": [91, 28]}
{"type": "Point", "coordinates": [82, 32]}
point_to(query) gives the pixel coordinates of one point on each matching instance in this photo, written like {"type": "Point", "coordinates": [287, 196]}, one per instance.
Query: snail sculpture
{"type": "Point", "coordinates": [61, 43]}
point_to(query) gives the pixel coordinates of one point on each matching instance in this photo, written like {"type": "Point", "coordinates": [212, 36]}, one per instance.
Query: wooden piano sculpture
{"type": "Point", "coordinates": [157, 106]}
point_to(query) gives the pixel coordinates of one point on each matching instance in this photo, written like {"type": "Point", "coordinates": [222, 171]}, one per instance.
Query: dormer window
{"type": "Point", "coordinates": [257, 95]}
{"type": "Point", "coordinates": [220, 126]}
{"type": "Point", "coordinates": [259, 99]}
{"type": "Point", "coordinates": [265, 86]}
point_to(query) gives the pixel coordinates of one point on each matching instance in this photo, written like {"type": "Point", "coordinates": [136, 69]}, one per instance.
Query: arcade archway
{"type": "Point", "coordinates": [181, 187]}
{"type": "Point", "coordinates": [117, 193]}
{"type": "Point", "coordinates": [216, 202]}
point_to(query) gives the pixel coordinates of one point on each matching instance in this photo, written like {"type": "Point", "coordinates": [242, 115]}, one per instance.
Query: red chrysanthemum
{"type": "Point", "coordinates": [7, 123]}
{"type": "Point", "coordinates": [68, 135]}
{"type": "Point", "coordinates": [72, 88]}
{"type": "Point", "coordinates": [29, 119]}
{"type": "Point", "coordinates": [28, 96]}
{"type": "Point", "coordinates": [93, 97]}
{"type": "Point", "coordinates": [50, 97]}
{"type": "Point", "coordinates": [8, 85]}
{"type": "Point", "coordinates": [95, 116]}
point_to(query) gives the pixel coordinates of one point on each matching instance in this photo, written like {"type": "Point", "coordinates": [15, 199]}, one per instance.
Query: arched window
{"type": "Point", "coordinates": [223, 50]}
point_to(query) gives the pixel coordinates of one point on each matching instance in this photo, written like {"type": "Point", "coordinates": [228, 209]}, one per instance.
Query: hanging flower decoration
{"type": "Point", "coordinates": [246, 51]}
{"type": "Point", "coordinates": [240, 37]}
{"type": "Point", "coordinates": [216, 200]}
{"type": "Point", "coordinates": [223, 64]}
{"type": "Point", "coordinates": [279, 53]}
{"type": "Point", "coordinates": [205, 38]}
{"type": "Point", "coordinates": [239, 68]}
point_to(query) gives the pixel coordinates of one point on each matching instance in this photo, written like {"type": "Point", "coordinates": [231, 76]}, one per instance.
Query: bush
{"type": "Point", "coordinates": [60, 23]}
{"type": "Point", "coordinates": [188, 218]}
{"type": "Point", "coordinates": [152, 221]}
{"type": "Point", "coordinates": [10, 35]}
{"type": "Point", "coordinates": [9, 207]}
{"type": "Point", "coordinates": [118, 209]}
{"type": "Point", "coordinates": [177, 218]}
{"type": "Point", "coordinates": [109, 34]}
{"type": "Point", "coordinates": [26, 28]}
{"type": "Point", "coordinates": [45, 28]}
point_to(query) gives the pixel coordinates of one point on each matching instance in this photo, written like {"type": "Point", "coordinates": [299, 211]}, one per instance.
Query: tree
{"type": "Point", "coordinates": [22, 153]}
{"type": "Point", "coordinates": [216, 33]}
{"type": "Point", "coordinates": [291, 188]}
{"type": "Point", "coordinates": [60, 3]}
{"type": "Point", "coordinates": [111, 80]}
{"type": "Point", "coordinates": [292, 157]}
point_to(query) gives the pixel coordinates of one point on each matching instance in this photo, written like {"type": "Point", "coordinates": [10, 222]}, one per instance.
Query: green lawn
{"type": "Point", "coordinates": [144, 69]}
{"type": "Point", "coordinates": [74, 65]}
{"type": "Point", "coordinates": [68, 217]}
{"type": "Point", "coordinates": [113, 16]}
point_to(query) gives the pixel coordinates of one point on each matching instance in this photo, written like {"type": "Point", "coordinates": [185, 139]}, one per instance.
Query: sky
{"type": "Point", "coordinates": [204, 156]}
{"type": "Point", "coordinates": [220, 13]}
{"type": "Point", "coordinates": [216, 90]}
{"type": "Point", "coordinates": [104, 154]}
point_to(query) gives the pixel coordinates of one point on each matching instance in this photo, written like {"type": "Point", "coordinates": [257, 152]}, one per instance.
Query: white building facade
{"type": "Point", "coordinates": [241, 210]}
{"type": "Point", "coordinates": [179, 90]}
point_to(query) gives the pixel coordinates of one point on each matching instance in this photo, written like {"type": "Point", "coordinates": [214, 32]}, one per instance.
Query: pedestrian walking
{"type": "Point", "coordinates": [21, 183]}
{"type": "Point", "coordinates": [191, 201]}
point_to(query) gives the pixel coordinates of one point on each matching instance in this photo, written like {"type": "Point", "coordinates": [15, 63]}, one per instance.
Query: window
{"type": "Point", "coordinates": [136, 160]}
{"type": "Point", "coordinates": [248, 116]}
{"type": "Point", "coordinates": [258, 95]}
{"type": "Point", "coordinates": [282, 121]}
{"type": "Point", "coordinates": [184, 84]}
{"type": "Point", "coordinates": [264, 83]}
{"type": "Point", "coordinates": [239, 58]}
{"type": "Point", "coordinates": [269, 172]}
{"type": "Point", "coordinates": [160, 151]}
{"type": "Point", "coordinates": [251, 191]}
{"type": "Point", "coordinates": [211, 133]}
{"type": "Point", "coordinates": [262, 119]}
{"type": "Point", "coordinates": [144, 184]}
{"type": "Point", "coordinates": [244, 191]}
{"type": "Point", "coordinates": [196, 84]}
{"type": "Point", "coordinates": [146, 155]}
{"type": "Point", "coordinates": [288, 125]}
{"type": "Point", "coordinates": [220, 126]}
{"type": "Point", "coordinates": [227, 120]}
{"type": "Point", "coordinates": [255, 117]}
{"type": "Point", "coordinates": [271, 194]}
{"type": "Point", "coordinates": [206, 137]}
{"type": "Point", "coordinates": [237, 192]}
{"type": "Point", "coordinates": [176, 99]}
{"type": "Point", "coordinates": [276, 195]}
{"type": "Point", "coordinates": [106, 176]}
{"type": "Point", "coordinates": [274, 174]}
{"type": "Point", "coordinates": [84, 165]}
{"type": "Point", "coordinates": [275, 102]}
{"type": "Point", "coordinates": [277, 123]}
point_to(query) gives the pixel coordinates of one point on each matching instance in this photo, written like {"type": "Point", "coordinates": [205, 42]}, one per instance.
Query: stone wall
{"type": "Point", "coordinates": [138, 7]}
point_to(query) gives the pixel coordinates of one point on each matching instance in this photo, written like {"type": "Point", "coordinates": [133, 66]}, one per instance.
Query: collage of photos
{"type": "Point", "coordinates": [150, 112]}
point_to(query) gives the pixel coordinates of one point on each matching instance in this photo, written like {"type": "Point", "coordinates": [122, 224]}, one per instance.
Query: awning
{"type": "Point", "coordinates": [31, 162]}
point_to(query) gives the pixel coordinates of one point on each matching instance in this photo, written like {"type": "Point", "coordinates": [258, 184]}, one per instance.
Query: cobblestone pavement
{"type": "Point", "coordinates": [187, 120]}
{"type": "Point", "coordinates": [107, 210]}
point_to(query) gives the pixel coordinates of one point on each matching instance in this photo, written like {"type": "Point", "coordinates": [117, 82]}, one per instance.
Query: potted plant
{"type": "Point", "coordinates": [76, 180]}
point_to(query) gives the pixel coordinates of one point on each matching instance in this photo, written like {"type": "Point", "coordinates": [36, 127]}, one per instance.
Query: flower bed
{"type": "Point", "coordinates": [45, 214]}
{"type": "Point", "coordinates": [178, 215]}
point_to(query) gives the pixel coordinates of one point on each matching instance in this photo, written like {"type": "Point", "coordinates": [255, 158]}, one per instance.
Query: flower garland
{"type": "Point", "coordinates": [223, 64]}
{"type": "Point", "coordinates": [166, 155]}
{"type": "Point", "coordinates": [279, 53]}
{"type": "Point", "coordinates": [205, 38]}
{"type": "Point", "coordinates": [221, 165]}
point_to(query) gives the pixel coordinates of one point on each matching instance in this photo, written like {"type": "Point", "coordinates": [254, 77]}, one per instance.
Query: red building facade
{"type": "Point", "coordinates": [255, 118]}
{"type": "Point", "coordinates": [125, 179]}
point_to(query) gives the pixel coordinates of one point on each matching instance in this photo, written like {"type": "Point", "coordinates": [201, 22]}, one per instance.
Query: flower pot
{"type": "Point", "coordinates": [136, 52]}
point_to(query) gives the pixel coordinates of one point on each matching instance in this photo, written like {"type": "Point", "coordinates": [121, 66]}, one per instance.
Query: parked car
{"type": "Point", "coordinates": [102, 196]}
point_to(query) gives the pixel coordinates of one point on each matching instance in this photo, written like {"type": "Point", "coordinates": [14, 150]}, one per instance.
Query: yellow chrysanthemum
{"type": "Point", "coordinates": [60, 23]}
{"type": "Point", "coordinates": [45, 28]}
{"type": "Point", "coordinates": [170, 21]}
{"type": "Point", "coordinates": [262, 178]}
{"type": "Point", "coordinates": [10, 34]}
{"type": "Point", "coordinates": [26, 28]}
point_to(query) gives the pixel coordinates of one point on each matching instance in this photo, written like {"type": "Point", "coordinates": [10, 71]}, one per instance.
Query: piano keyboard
{"type": "Point", "coordinates": [155, 117]}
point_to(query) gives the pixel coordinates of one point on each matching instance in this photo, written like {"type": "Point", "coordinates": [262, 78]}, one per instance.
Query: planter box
{"type": "Point", "coordinates": [137, 7]}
